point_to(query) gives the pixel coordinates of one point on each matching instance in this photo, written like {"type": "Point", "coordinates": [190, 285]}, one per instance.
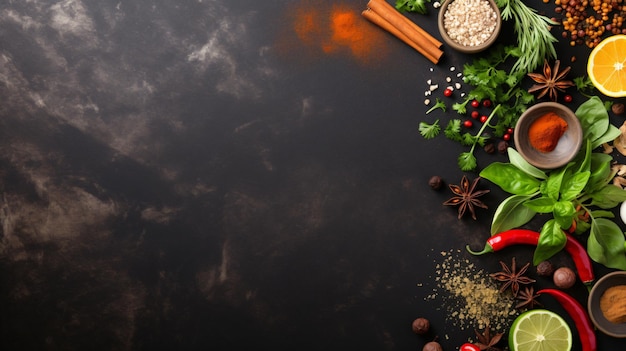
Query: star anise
{"type": "Point", "coordinates": [550, 81]}
{"type": "Point", "coordinates": [511, 277]}
{"type": "Point", "coordinates": [467, 197]}
{"type": "Point", "coordinates": [528, 298]}
{"type": "Point", "coordinates": [486, 341]}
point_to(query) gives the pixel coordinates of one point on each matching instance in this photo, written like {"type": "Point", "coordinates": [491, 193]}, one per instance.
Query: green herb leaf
{"type": "Point", "coordinates": [418, 6]}
{"type": "Point", "coordinates": [551, 240]}
{"type": "Point", "coordinates": [510, 178]}
{"type": "Point", "coordinates": [467, 161]}
{"type": "Point", "coordinates": [564, 212]}
{"type": "Point", "coordinates": [439, 104]}
{"type": "Point", "coordinates": [511, 213]}
{"type": "Point", "coordinates": [543, 204]}
{"type": "Point", "coordinates": [606, 244]}
{"type": "Point", "coordinates": [429, 131]}
{"type": "Point", "coordinates": [518, 161]}
{"type": "Point", "coordinates": [609, 196]}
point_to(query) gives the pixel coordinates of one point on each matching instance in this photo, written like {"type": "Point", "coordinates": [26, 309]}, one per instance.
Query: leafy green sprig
{"type": "Point", "coordinates": [417, 6]}
{"type": "Point", "coordinates": [578, 195]}
{"type": "Point", "coordinates": [534, 39]}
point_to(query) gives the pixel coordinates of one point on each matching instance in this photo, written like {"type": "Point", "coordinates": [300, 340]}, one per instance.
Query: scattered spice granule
{"type": "Point", "coordinates": [472, 299]}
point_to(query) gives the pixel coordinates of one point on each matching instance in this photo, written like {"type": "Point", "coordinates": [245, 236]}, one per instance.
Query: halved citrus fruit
{"type": "Point", "coordinates": [607, 66]}
{"type": "Point", "coordinates": [540, 330]}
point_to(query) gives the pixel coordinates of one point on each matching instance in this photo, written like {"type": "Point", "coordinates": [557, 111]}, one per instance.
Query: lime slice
{"type": "Point", "coordinates": [540, 330]}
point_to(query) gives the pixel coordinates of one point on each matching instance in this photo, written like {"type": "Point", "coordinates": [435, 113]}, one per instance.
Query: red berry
{"type": "Point", "coordinates": [509, 131]}
{"type": "Point", "coordinates": [447, 92]}
{"type": "Point", "coordinates": [506, 137]}
{"type": "Point", "coordinates": [475, 103]}
{"type": "Point", "coordinates": [468, 124]}
{"type": "Point", "coordinates": [567, 98]}
{"type": "Point", "coordinates": [487, 103]}
{"type": "Point", "coordinates": [483, 119]}
{"type": "Point", "coordinates": [475, 114]}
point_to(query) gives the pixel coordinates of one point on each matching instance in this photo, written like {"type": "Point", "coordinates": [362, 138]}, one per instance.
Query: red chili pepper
{"type": "Point", "coordinates": [511, 237]}
{"type": "Point", "coordinates": [579, 315]}
{"type": "Point", "coordinates": [469, 347]}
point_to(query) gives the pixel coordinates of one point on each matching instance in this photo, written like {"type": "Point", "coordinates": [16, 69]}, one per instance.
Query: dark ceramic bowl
{"type": "Point", "coordinates": [463, 48]}
{"type": "Point", "coordinates": [593, 304]}
{"type": "Point", "coordinates": [568, 145]}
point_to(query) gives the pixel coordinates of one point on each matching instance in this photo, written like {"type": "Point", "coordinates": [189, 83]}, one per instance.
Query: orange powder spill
{"type": "Point", "coordinates": [324, 29]}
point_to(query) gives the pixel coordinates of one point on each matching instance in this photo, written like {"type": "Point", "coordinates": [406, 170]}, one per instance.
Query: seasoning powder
{"type": "Point", "coordinates": [470, 22]}
{"type": "Point", "coordinates": [472, 300]}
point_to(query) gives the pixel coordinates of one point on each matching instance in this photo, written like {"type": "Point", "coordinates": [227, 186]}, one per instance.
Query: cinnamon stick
{"type": "Point", "coordinates": [381, 22]}
{"type": "Point", "coordinates": [395, 23]}
{"type": "Point", "coordinates": [421, 30]}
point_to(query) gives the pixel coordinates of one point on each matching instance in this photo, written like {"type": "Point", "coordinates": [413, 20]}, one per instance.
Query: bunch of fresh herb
{"type": "Point", "coordinates": [418, 6]}
{"type": "Point", "coordinates": [534, 39]}
{"type": "Point", "coordinates": [490, 80]}
{"type": "Point", "coordinates": [579, 195]}
{"type": "Point", "coordinates": [466, 160]}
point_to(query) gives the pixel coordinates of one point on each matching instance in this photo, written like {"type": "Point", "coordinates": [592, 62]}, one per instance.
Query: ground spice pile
{"type": "Point", "coordinates": [335, 29]}
{"type": "Point", "coordinates": [470, 298]}
{"type": "Point", "coordinates": [544, 133]}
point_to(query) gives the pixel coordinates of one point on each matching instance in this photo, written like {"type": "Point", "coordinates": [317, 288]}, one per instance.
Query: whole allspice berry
{"type": "Point", "coordinates": [564, 278]}
{"type": "Point", "coordinates": [432, 346]}
{"type": "Point", "coordinates": [421, 326]}
{"type": "Point", "coordinates": [435, 182]}
{"type": "Point", "coordinates": [545, 269]}
{"type": "Point", "coordinates": [617, 108]}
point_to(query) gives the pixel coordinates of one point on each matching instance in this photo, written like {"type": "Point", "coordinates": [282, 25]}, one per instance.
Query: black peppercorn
{"type": "Point", "coordinates": [617, 108]}
{"type": "Point", "coordinates": [435, 182]}
{"type": "Point", "coordinates": [502, 147]}
{"type": "Point", "coordinates": [545, 269]}
{"type": "Point", "coordinates": [421, 326]}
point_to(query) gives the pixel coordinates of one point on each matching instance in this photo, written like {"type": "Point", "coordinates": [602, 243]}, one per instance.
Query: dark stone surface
{"type": "Point", "coordinates": [186, 175]}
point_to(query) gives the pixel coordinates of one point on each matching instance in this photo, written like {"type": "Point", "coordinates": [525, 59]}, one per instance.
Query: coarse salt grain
{"type": "Point", "coordinates": [470, 22]}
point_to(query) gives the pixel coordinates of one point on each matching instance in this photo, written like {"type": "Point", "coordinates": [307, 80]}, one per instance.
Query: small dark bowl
{"type": "Point", "coordinates": [568, 145]}
{"type": "Point", "coordinates": [463, 48]}
{"type": "Point", "coordinates": [593, 304]}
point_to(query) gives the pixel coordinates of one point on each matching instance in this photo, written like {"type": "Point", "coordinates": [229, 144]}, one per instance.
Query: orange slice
{"type": "Point", "coordinates": [607, 66]}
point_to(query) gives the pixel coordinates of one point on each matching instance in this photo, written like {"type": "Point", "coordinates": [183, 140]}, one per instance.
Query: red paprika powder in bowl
{"type": "Point", "coordinates": [548, 135]}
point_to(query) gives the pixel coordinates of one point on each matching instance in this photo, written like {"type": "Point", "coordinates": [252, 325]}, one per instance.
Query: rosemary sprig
{"type": "Point", "coordinates": [534, 39]}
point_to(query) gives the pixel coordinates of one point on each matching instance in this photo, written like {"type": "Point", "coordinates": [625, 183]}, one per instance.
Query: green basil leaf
{"type": "Point", "coordinates": [511, 213]}
{"type": "Point", "coordinates": [585, 164]}
{"type": "Point", "coordinates": [606, 244]}
{"type": "Point", "coordinates": [600, 172]}
{"type": "Point", "coordinates": [564, 212]}
{"type": "Point", "coordinates": [510, 178]}
{"type": "Point", "coordinates": [544, 204]}
{"type": "Point", "coordinates": [611, 133]}
{"type": "Point", "coordinates": [573, 185]}
{"type": "Point", "coordinates": [607, 197]}
{"type": "Point", "coordinates": [553, 184]}
{"type": "Point", "coordinates": [594, 118]}
{"type": "Point", "coordinates": [518, 161]}
{"type": "Point", "coordinates": [551, 240]}
{"type": "Point", "coordinates": [602, 214]}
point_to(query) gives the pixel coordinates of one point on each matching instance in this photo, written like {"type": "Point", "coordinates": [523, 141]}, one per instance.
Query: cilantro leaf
{"type": "Point", "coordinates": [429, 131]}
{"type": "Point", "coordinates": [438, 105]}
{"type": "Point", "coordinates": [467, 161]}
